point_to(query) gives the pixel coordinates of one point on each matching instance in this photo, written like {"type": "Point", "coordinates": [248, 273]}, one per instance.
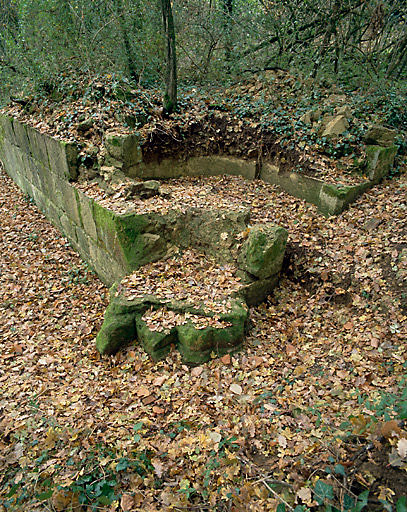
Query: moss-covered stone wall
{"type": "Point", "coordinates": [43, 167]}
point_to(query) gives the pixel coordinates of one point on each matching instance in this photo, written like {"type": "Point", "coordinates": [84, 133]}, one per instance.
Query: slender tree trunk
{"type": "Point", "coordinates": [128, 49]}
{"type": "Point", "coordinates": [170, 95]}
{"type": "Point", "coordinates": [331, 30]}
{"type": "Point", "coordinates": [227, 6]}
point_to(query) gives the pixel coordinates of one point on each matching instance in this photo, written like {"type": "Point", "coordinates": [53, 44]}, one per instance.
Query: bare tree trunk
{"type": "Point", "coordinates": [331, 30]}
{"type": "Point", "coordinates": [227, 6]}
{"type": "Point", "coordinates": [128, 49]}
{"type": "Point", "coordinates": [170, 95]}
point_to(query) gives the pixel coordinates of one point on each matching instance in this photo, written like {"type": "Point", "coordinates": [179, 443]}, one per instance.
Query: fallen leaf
{"type": "Point", "coordinates": [290, 349]}
{"type": "Point", "coordinates": [305, 495]}
{"type": "Point", "coordinates": [226, 359]}
{"type": "Point", "coordinates": [196, 372]}
{"type": "Point", "coordinates": [236, 389]}
{"type": "Point", "coordinates": [149, 399]}
{"type": "Point", "coordinates": [127, 502]}
{"type": "Point", "coordinates": [159, 381]}
{"type": "Point", "coordinates": [402, 447]}
{"type": "Point", "coordinates": [143, 391]}
{"type": "Point", "coordinates": [390, 428]}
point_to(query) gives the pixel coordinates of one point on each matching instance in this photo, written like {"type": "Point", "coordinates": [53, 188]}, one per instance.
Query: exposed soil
{"type": "Point", "coordinates": [259, 120]}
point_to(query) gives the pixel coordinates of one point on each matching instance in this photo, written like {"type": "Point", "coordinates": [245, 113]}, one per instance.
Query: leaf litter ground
{"type": "Point", "coordinates": [239, 433]}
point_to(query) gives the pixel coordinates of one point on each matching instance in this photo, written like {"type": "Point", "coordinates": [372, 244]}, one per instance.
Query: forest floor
{"type": "Point", "coordinates": [310, 414]}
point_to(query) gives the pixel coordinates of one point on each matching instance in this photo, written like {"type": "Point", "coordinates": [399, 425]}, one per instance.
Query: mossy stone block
{"type": "Point", "coordinates": [258, 290]}
{"type": "Point", "coordinates": [21, 136]}
{"type": "Point", "coordinates": [378, 135]}
{"type": "Point", "coordinates": [38, 146]}
{"type": "Point", "coordinates": [379, 161]}
{"type": "Point", "coordinates": [295, 183]}
{"type": "Point", "coordinates": [63, 158]}
{"type": "Point", "coordinates": [124, 148]}
{"type": "Point", "coordinates": [116, 331]}
{"type": "Point", "coordinates": [68, 228]}
{"type": "Point", "coordinates": [262, 253]}
{"type": "Point", "coordinates": [83, 243]}
{"type": "Point", "coordinates": [40, 199]}
{"type": "Point", "coordinates": [331, 200]}
{"type": "Point", "coordinates": [85, 205]}
{"type": "Point", "coordinates": [156, 344]}
{"type": "Point", "coordinates": [197, 345]}
{"type": "Point", "coordinates": [119, 324]}
{"type": "Point", "coordinates": [107, 268]}
{"type": "Point", "coordinates": [124, 237]}
{"type": "Point", "coordinates": [70, 200]}
{"type": "Point", "coordinates": [6, 129]}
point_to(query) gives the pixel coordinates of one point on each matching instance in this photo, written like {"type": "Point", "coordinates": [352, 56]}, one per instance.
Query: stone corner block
{"type": "Point", "coordinates": [262, 253]}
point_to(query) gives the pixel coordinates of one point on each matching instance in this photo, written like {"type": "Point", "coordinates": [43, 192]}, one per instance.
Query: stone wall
{"type": "Point", "coordinates": [42, 167]}
{"type": "Point", "coordinates": [125, 153]}
{"type": "Point", "coordinates": [116, 244]}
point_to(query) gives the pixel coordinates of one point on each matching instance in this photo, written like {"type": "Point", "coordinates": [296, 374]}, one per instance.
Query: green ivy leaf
{"type": "Point", "coordinates": [362, 501]}
{"type": "Point", "coordinates": [401, 505]}
{"type": "Point", "coordinates": [122, 464]}
{"type": "Point", "coordinates": [339, 470]}
{"type": "Point", "coordinates": [323, 491]}
{"type": "Point", "coordinates": [45, 495]}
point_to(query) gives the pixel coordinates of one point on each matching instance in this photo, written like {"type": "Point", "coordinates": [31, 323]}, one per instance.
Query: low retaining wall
{"type": "Point", "coordinates": [125, 153]}
{"type": "Point", "coordinates": [113, 244]}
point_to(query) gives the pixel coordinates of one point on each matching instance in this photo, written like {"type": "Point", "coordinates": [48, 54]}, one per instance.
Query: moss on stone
{"type": "Point", "coordinates": [263, 252]}
{"type": "Point", "coordinates": [380, 161]}
{"type": "Point", "coordinates": [156, 344]}
{"type": "Point", "coordinates": [116, 331]}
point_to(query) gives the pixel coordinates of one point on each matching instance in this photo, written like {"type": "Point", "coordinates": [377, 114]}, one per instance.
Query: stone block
{"type": "Point", "coordinates": [196, 344]}
{"type": "Point", "coordinates": [262, 253]}
{"type": "Point", "coordinates": [68, 228]}
{"type": "Point", "coordinates": [107, 268]}
{"type": "Point", "coordinates": [86, 215]}
{"type": "Point", "coordinates": [83, 243]}
{"type": "Point", "coordinates": [38, 146]}
{"type": "Point", "coordinates": [378, 135]}
{"type": "Point", "coordinates": [379, 161]}
{"type": "Point", "coordinates": [331, 202]}
{"type": "Point", "coordinates": [157, 344]}
{"type": "Point", "coordinates": [51, 183]}
{"type": "Point", "coordinates": [219, 165]}
{"type": "Point", "coordinates": [63, 158]}
{"type": "Point", "coordinates": [21, 136]}
{"type": "Point", "coordinates": [30, 167]}
{"type": "Point", "coordinates": [258, 290]}
{"type": "Point", "coordinates": [39, 199]}
{"type": "Point", "coordinates": [70, 200]}
{"type": "Point", "coordinates": [336, 126]}
{"type": "Point", "coordinates": [6, 129]}
{"type": "Point", "coordinates": [53, 213]}
{"type": "Point", "coordinates": [106, 230]}
{"type": "Point", "coordinates": [123, 148]}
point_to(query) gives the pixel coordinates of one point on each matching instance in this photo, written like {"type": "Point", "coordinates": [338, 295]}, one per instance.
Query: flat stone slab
{"type": "Point", "coordinates": [187, 300]}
